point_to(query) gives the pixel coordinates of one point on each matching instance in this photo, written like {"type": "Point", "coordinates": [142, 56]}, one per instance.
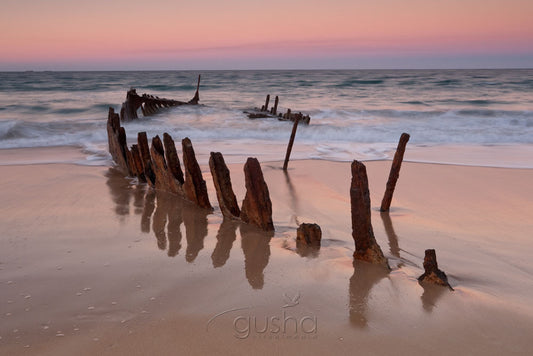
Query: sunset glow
{"type": "Point", "coordinates": [208, 34]}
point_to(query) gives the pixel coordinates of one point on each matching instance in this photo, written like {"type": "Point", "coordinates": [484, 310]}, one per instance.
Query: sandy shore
{"type": "Point", "coordinates": [92, 263]}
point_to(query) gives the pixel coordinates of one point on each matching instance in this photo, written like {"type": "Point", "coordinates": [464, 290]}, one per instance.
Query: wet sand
{"type": "Point", "coordinates": [92, 263]}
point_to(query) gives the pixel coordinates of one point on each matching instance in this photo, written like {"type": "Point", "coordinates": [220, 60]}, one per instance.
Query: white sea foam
{"type": "Point", "coordinates": [354, 114]}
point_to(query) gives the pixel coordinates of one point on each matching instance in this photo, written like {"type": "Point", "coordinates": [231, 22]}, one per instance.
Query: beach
{"type": "Point", "coordinates": [95, 263]}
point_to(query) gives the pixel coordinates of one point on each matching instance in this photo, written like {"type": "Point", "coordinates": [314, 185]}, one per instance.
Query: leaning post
{"type": "Point", "coordinates": [291, 142]}
{"type": "Point", "coordinates": [394, 172]}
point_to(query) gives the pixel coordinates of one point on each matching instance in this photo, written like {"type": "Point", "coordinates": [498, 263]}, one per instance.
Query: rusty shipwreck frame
{"type": "Point", "coordinates": [150, 104]}
{"type": "Point", "coordinates": [160, 167]}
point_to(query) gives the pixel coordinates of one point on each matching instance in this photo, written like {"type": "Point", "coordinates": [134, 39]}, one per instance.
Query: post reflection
{"type": "Point", "coordinates": [364, 277]}
{"type": "Point", "coordinates": [138, 198]}
{"type": "Point", "coordinates": [430, 296]}
{"type": "Point", "coordinates": [292, 193]}
{"type": "Point", "coordinates": [120, 189]}
{"type": "Point", "coordinates": [227, 234]}
{"type": "Point", "coordinates": [255, 244]}
{"type": "Point", "coordinates": [195, 220]}
{"type": "Point", "coordinates": [149, 206]}
{"type": "Point", "coordinates": [168, 214]}
{"type": "Point", "coordinates": [163, 215]}
{"type": "Point", "coordinates": [394, 246]}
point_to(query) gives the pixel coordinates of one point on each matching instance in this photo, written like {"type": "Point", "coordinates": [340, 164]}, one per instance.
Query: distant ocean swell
{"type": "Point", "coordinates": [347, 108]}
{"type": "Point", "coordinates": [426, 127]}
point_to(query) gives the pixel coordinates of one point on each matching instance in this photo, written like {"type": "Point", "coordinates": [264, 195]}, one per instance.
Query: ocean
{"type": "Point", "coordinates": [476, 117]}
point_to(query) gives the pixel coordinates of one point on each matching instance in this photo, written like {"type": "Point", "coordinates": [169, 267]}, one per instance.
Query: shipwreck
{"type": "Point", "coordinates": [150, 104]}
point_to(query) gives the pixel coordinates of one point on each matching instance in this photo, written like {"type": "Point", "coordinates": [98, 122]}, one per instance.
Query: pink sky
{"type": "Point", "coordinates": [214, 34]}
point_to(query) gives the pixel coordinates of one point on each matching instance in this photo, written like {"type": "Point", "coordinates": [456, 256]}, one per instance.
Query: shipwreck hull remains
{"type": "Point", "coordinates": [150, 104]}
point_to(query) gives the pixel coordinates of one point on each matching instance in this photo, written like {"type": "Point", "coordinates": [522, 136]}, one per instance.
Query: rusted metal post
{"type": "Point", "coordinates": [256, 206]}
{"type": "Point", "coordinates": [266, 103]}
{"type": "Point", "coordinates": [432, 273]}
{"type": "Point", "coordinates": [366, 247]}
{"type": "Point", "coordinates": [194, 187]}
{"type": "Point", "coordinates": [222, 181]}
{"type": "Point", "coordinates": [144, 150]}
{"type": "Point", "coordinates": [289, 147]}
{"type": "Point", "coordinates": [275, 107]}
{"type": "Point", "coordinates": [394, 172]}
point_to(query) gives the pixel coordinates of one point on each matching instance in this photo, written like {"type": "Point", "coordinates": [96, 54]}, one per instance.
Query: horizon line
{"type": "Point", "coordinates": [259, 69]}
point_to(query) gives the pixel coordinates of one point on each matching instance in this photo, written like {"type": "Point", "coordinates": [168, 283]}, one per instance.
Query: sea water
{"type": "Point", "coordinates": [479, 117]}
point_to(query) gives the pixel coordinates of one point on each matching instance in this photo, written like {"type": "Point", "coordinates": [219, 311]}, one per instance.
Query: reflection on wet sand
{"type": "Point", "coordinates": [292, 194]}
{"type": "Point", "coordinates": [138, 198]}
{"type": "Point", "coordinates": [307, 251]}
{"type": "Point", "coordinates": [119, 188]}
{"type": "Point", "coordinates": [432, 293]}
{"type": "Point", "coordinates": [391, 234]}
{"type": "Point", "coordinates": [149, 206]}
{"type": "Point", "coordinates": [174, 214]}
{"type": "Point", "coordinates": [364, 277]}
{"type": "Point", "coordinates": [168, 213]}
{"type": "Point", "coordinates": [227, 234]}
{"type": "Point", "coordinates": [159, 220]}
{"type": "Point", "coordinates": [163, 214]}
{"type": "Point", "coordinates": [195, 220]}
{"type": "Point", "coordinates": [255, 244]}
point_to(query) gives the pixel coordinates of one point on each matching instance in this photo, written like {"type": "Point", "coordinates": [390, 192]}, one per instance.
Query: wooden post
{"type": "Point", "coordinates": [194, 188]}
{"type": "Point", "coordinates": [432, 273]}
{"type": "Point", "coordinates": [222, 181]}
{"type": "Point", "coordinates": [289, 147]}
{"type": "Point", "coordinates": [394, 172]}
{"type": "Point", "coordinates": [172, 158]}
{"type": "Point", "coordinates": [142, 141]}
{"type": "Point", "coordinates": [366, 247]}
{"type": "Point", "coordinates": [116, 137]}
{"type": "Point", "coordinates": [165, 179]}
{"type": "Point", "coordinates": [256, 206]}
{"type": "Point", "coordinates": [266, 102]}
{"type": "Point", "coordinates": [138, 163]}
{"type": "Point", "coordinates": [196, 97]}
{"type": "Point", "coordinates": [275, 107]}
{"type": "Point", "coordinates": [308, 237]}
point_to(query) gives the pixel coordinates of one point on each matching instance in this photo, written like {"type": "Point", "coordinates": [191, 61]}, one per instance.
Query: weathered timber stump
{"type": "Point", "coordinates": [138, 164]}
{"type": "Point", "coordinates": [274, 110]}
{"type": "Point", "coordinates": [267, 100]}
{"type": "Point", "coordinates": [308, 237]}
{"type": "Point", "coordinates": [432, 273]}
{"type": "Point", "coordinates": [172, 158]}
{"type": "Point", "coordinates": [366, 247]}
{"type": "Point", "coordinates": [116, 137]}
{"type": "Point", "coordinates": [394, 172]}
{"type": "Point", "coordinates": [194, 187]}
{"type": "Point", "coordinates": [222, 181]}
{"type": "Point", "coordinates": [256, 206]}
{"type": "Point", "coordinates": [165, 179]}
{"type": "Point", "coordinates": [142, 141]}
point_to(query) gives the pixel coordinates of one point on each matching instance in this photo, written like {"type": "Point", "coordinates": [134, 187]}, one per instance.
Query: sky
{"type": "Point", "coordinates": [274, 34]}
